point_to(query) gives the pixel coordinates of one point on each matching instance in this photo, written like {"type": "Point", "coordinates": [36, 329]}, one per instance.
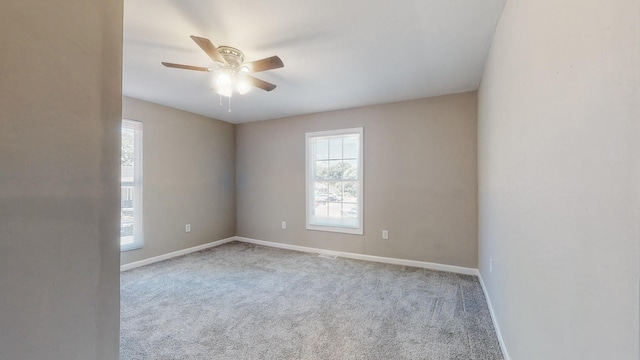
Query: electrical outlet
{"type": "Point", "coordinates": [187, 228]}
{"type": "Point", "coordinates": [385, 234]}
{"type": "Point", "coordinates": [491, 266]}
{"type": "Point", "coordinates": [284, 225]}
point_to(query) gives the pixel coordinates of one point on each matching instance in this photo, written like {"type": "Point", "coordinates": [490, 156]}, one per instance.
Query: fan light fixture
{"type": "Point", "coordinates": [229, 76]}
{"type": "Point", "coordinates": [226, 80]}
{"type": "Point", "coordinates": [242, 85]}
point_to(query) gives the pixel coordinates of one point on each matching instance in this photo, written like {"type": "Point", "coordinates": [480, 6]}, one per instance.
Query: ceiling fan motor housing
{"type": "Point", "coordinates": [233, 56]}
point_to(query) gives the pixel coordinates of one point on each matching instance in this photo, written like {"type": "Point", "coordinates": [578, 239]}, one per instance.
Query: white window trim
{"type": "Point", "coordinates": [138, 225]}
{"type": "Point", "coordinates": [309, 183]}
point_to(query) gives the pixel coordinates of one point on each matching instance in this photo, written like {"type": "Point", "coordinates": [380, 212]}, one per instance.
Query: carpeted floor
{"type": "Point", "coordinates": [242, 301]}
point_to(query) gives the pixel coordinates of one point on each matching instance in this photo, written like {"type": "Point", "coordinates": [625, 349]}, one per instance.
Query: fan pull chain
{"type": "Point", "coordinates": [220, 99]}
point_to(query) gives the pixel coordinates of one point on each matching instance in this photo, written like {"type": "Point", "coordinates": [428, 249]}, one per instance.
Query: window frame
{"type": "Point", "coordinates": [310, 187]}
{"type": "Point", "coordinates": [137, 184]}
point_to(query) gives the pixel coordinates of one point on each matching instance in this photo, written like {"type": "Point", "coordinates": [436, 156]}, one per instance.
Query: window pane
{"type": "Point", "coordinates": [127, 153]}
{"type": "Point", "coordinates": [349, 210]}
{"type": "Point", "coordinates": [321, 191]}
{"type": "Point", "coordinates": [320, 208]}
{"type": "Point", "coordinates": [335, 210]}
{"type": "Point", "coordinates": [335, 148]}
{"type": "Point", "coordinates": [322, 170]}
{"type": "Point", "coordinates": [322, 149]}
{"type": "Point", "coordinates": [351, 147]}
{"type": "Point", "coordinates": [335, 170]}
{"type": "Point", "coordinates": [349, 169]}
{"type": "Point", "coordinates": [126, 216]}
{"type": "Point", "coordinates": [336, 191]}
{"type": "Point", "coordinates": [350, 191]}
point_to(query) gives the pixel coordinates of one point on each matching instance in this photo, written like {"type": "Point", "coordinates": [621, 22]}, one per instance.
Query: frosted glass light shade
{"type": "Point", "coordinates": [224, 83]}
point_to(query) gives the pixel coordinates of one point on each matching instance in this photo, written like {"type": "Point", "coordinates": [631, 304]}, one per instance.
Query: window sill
{"type": "Point", "coordinates": [336, 229]}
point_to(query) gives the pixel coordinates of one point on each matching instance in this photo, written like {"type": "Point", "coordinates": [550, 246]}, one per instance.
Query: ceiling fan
{"type": "Point", "coordinates": [231, 71]}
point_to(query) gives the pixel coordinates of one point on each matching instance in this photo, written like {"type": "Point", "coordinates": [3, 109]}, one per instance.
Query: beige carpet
{"type": "Point", "coordinates": [241, 301]}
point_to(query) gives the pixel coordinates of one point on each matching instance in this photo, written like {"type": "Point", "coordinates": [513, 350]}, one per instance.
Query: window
{"type": "Point", "coordinates": [334, 181]}
{"type": "Point", "coordinates": [131, 183]}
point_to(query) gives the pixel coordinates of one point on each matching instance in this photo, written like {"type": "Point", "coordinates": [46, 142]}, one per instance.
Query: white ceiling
{"type": "Point", "coordinates": [337, 53]}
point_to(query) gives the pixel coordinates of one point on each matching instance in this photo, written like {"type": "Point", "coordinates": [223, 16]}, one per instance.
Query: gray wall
{"type": "Point", "coordinates": [558, 178]}
{"type": "Point", "coordinates": [420, 180]}
{"type": "Point", "coordinates": [60, 107]}
{"type": "Point", "coordinates": [189, 178]}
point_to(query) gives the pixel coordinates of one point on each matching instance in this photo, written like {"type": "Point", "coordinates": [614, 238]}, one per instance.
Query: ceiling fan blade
{"type": "Point", "coordinates": [186, 67]}
{"type": "Point", "coordinates": [269, 63]}
{"type": "Point", "coordinates": [207, 46]}
{"type": "Point", "coordinates": [261, 84]}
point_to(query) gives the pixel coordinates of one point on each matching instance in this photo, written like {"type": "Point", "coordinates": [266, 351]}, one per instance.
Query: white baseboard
{"type": "Point", "coordinates": [154, 259]}
{"type": "Point", "coordinates": [355, 256]}
{"type": "Point", "coordinates": [503, 347]}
